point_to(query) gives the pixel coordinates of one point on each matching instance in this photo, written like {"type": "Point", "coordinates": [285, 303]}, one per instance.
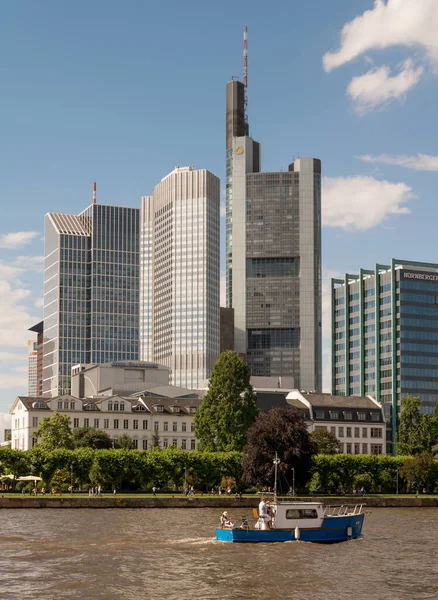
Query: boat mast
{"type": "Point", "coordinates": [276, 462]}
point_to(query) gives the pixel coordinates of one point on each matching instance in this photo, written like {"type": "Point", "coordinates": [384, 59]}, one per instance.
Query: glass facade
{"type": "Point", "coordinates": [91, 287]}
{"type": "Point", "coordinates": [384, 342]}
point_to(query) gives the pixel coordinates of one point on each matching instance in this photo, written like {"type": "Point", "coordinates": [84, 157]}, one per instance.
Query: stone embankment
{"type": "Point", "coordinates": [67, 501]}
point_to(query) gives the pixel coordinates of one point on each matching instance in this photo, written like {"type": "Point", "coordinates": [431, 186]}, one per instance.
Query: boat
{"type": "Point", "coordinates": [293, 521]}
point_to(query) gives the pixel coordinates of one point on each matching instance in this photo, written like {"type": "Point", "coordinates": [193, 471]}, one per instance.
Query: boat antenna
{"type": "Point", "coordinates": [276, 462]}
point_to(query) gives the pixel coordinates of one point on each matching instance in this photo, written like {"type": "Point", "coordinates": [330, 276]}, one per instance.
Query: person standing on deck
{"type": "Point", "coordinates": [263, 512]}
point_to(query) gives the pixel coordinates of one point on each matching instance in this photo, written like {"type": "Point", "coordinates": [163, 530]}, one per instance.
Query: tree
{"type": "Point", "coordinates": [420, 471]}
{"type": "Point", "coordinates": [88, 437]}
{"type": "Point", "coordinates": [229, 407]}
{"type": "Point", "coordinates": [125, 442]}
{"type": "Point", "coordinates": [415, 430]}
{"type": "Point", "coordinates": [55, 432]}
{"type": "Point", "coordinates": [281, 430]}
{"type": "Point", "coordinates": [325, 441]}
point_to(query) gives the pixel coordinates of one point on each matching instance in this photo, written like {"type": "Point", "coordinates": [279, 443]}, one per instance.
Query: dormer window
{"type": "Point", "coordinates": [192, 410]}
{"type": "Point", "coordinates": [139, 407]}
{"type": "Point", "coordinates": [60, 404]}
{"type": "Point", "coordinates": [116, 406]}
{"type": "Point", "coordinates": [122, 406]}
{"type": "Point", "coordinates": [90, 406]}
{"type": "Point", "coordinates": [72, 405]}
{"type": "Point", "coordinates": [66, 405]}
{"type": "Point", "coordinates": [39, 404]}
{"type": "Point", "coordinates": [110, 405]}
{"type": "Point", "coordinates": [334, 415]}
{"type": "Point", "coordinates": [176, 409]}
{"type": "Point", "coordinates": [159, 408]}
{"type": "Point", "coordinates": [348, 415]}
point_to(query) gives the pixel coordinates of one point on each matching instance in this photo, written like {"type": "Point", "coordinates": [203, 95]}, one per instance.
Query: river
{"type": "Point", "coordinates": [151, 554]}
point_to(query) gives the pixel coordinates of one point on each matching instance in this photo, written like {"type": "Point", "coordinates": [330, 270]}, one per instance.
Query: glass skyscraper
{"type": "Point", "coordinates": [385, 336]}
{"type": "Point", "coordinates": [273, 256]}
{"type": "Point", "coordinates": [91, 291]}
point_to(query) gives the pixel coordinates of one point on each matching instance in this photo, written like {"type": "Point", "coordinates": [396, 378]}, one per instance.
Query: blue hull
{"type": "Point", "coordinates": [334, 529]}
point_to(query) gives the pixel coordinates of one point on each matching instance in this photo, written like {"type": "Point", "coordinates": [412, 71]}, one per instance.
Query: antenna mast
{"type": "Point", "coordinates": [245, 70]}
{"type": "Point", "coordinates": [94, 192]}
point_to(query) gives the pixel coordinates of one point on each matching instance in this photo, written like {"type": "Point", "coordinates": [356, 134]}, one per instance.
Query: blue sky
{"type": "Point", "coordinates": [120, 93]}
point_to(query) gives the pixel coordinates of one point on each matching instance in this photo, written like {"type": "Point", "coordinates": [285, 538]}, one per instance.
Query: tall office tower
{"type": "Point", "coordinates": [38, 328]}
{"type": "Point", "coordinates": [273, 256]}
{"type": "Point", "coordinates": [91, 286]}
{"type": "Point", "coordinates": [32, 371]}
{"type": "Point", "coordinates": [179, 297]}
{"type": "Point", "coordinates": [385, 336]}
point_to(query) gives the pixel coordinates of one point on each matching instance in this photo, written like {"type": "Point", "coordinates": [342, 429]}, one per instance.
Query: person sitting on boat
{"type": "Point", "coordinates": [225, 521]}
{"type": "Point", "coordinates": [263, 512]}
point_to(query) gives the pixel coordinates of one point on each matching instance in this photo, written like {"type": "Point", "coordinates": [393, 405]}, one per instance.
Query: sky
{"type": "Point", "coordinates": [120, 93]}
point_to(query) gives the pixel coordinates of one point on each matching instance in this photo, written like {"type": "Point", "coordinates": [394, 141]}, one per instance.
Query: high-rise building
{"type": "Point", "coordinates": [385, 336]}
{"type": "Point", "coordinates": [91, 286]}
{"type": "Point", "coordinates": [180, 279]}
{"type": "Point", "coordinates": [39, 330]}
{"type": "Point", "coordinates": [273, 256]}
{"type": "Point", "coordinates": [32, 371]}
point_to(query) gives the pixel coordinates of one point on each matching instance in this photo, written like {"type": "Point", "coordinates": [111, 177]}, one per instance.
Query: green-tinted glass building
{"type": "Point", "coordinates": [385, 336]}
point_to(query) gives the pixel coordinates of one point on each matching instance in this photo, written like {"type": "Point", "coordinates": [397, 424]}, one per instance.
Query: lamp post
{"type": "Point", "coordinates": [293, 481]}
{"type": "Point", "coordinates": [397, 481]}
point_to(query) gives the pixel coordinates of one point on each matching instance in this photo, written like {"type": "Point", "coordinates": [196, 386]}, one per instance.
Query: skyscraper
{"type": "Point", "coordinates": [179, 291]}
{"type": "Point", "coordinates": [91, 284]}
{"type": "Point", "coordinates": [273, 255]}
{"type": "Point", "coordinates": [385, 336]}
{"type": "Point", "coordinates": [32, 371]}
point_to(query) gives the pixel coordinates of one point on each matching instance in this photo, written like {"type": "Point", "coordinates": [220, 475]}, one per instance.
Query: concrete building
{"type": "Point", "coordinates": [385, 336]}
{"type": "Point", "coordinates": [226, 329]}
{"type": "Point", "coordinates": [179, 291]}
{"type": "Point", "coordinates": [32, 371]}
{"type": "Point", "coordinates": [39, 330]}
{"type": "Point", "coordinates": [273, 256]}
{"type": "Point", "coordinates": [164, 414]}
{"type": "Point", "coordinates": [121, 377]}
{"type": "Point", "coordinates": [91, 284]}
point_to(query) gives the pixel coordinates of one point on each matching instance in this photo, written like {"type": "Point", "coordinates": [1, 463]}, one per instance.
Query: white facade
{"type": "Point", "coordinates": [180, 275]}
{"type": "Point", "coordinates": [32, 378]}
{"type": "Point", "coordinates": [140, 418]}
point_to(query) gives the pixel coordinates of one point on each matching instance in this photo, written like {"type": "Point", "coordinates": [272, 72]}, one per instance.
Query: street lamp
{"type": "Point", "coordinates": [293, 481]}
{"type": "Point", "coordinates": [397, 481]}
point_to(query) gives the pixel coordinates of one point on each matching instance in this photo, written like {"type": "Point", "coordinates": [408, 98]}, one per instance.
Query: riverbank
{"type": "Point", "coordinates": [110, 501]}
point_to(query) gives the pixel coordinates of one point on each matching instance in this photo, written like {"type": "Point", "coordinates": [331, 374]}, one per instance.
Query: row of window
{"type": "Point", "coordinates": [117, 424]}
{"type": "Point", "coordinates": [375, 432]}
{"type": "Point", "coordinates": [335, 415]}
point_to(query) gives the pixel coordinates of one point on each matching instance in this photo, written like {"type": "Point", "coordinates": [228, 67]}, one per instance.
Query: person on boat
{"type": "Point", "coordinates": [263, 512]}
{"type": "Point", "coordinates": [226, 521]}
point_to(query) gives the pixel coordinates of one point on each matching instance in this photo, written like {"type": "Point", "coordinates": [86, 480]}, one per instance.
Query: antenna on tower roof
{"type": "Point", "coordinates": [245, 70]}
{"type": "Point", "coordinates": [94, 192]}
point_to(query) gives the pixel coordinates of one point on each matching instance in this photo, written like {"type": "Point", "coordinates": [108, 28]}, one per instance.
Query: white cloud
{"type": "Point", "coordinates": [393, 23]}
{"type": "Point", "coordinates": [39, 302]}
{"type": "Point", "coordinates": [9, 381]}
{"type": "Point", "coordinates": [223, 293]}
{"type": "Point", "coordinates": [5, 423]}
{"type": "Point", "coordinates": [14, 316]}
{"type": "Point", "coordinates": [377, 87]}
{"type": "Point", "coordinates": [17, 239]}
{"type": "Point", "coordinates": [418, 162]}
{"type": "Point", "coordinates": [13, 356]}
{"type": "Point", "coordinates": [359, 203]}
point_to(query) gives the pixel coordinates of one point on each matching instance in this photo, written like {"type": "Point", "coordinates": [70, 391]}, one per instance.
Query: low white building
{"type": "Point", "coordinates": [165, 413]}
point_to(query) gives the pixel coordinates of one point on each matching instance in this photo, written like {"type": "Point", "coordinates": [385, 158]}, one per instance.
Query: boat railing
{"type": "Point", "coordinates": [343, 510]}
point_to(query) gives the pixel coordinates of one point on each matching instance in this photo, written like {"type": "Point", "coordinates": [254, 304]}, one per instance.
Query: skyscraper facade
{"type": "Point", "coordinates": [179, 295]}
{"type": "Point", "coordinates": [32, 370]}
{"type": "Point", "coordinates": [385, 336]}
{"type": "Point", "coordinates": [91, 288]}
{"type": "Point", "coordinates": [273, 256]}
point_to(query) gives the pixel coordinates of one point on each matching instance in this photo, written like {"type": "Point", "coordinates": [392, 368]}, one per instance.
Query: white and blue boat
{"type": "Point", "coordinates": [300, 521]}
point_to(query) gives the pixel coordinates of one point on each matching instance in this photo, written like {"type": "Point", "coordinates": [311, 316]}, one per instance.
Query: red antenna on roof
{"type": "Point", "coordinates": [245, 70]}
{"type": "Point", "coordinates": [94, 192]}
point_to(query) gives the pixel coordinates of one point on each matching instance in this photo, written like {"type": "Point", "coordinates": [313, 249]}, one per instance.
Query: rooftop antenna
{"type": "Point", "coordinates": [94, 192]}
{"type": "Point", "coordinates": [245, 70]}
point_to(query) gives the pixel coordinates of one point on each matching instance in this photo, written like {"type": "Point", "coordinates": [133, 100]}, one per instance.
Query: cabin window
{"type": "Point", "coordinates": [301, 513]}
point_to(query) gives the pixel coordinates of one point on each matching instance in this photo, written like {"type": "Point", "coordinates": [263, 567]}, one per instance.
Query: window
{"type": "Point", "coordinates": [192, 427]}
{"type": "Point", "coordinates": [72, 405]}
{"type": "Point", "coordinates": [116, 406]}
{"type": "Point", "coordinates": [122, 406]}
{"type": "Point", "coordinates": [361, 416]}
{"type": "Point", "coordinates": [364, 432]}
{"type": "Point", "coordinates": [183, 426]}
{"type": "Point", "coordinates": [321, 427]}
{"type": "Point", "coordinates": [125, 424]}
{"type": "Point", "coordinates": [145, 424]}
{"type": "Point", "coordinates": [184, 444]}
{"type": "Point", "coordinates": [135, 424]}
{"type": "Point", "coordinates": [375, 416]}
{"type": "Point", "coordinates": [34, 421]}
{"type": "Point", "coordinates": [145, 444]}
{"type": "Point", "coordinates": [174, 426]}
{"type": "Point", "coordinates": [376, 432]}
{"type": "Point", "coordinates": [301, 513]}
{"type": "Point", "coordinates": [357, 432]}
{"type": "Point", "coordinates": [348, 432]}
{"type": "Point", "coordinates": [175, 442]}
{"type": "Point", "coordinates": [159, 408]}
{"type": "Point", "coordinates": [341, 448]}
{"type": "Point", "coordinates": [110, 405]}
{"type": "Point", "coordinates": [96, 423]}
{"type": "Point", "coordinates": [116, 424]}
{"type": "Point", "coordinates": [106, 423]}
{"type": "Point", "coordinates": [135, 444]}
{"type": "Point", "coordinates": [165, 426]}
{"type": "Point", "coordinates": [156, 426]}
{"type": "Point", "coordinates": [340, 432]}
{"type": "Point", "coordinates": [376, 449]}
{"type": "Point", "coordinates": [165, 443]}
{"type": "Point", "coordinates": [333, 430]}
{"type": "Point", "coordinates": [319, 414]}
{"type": "Point", "coordinates": [66, 404]}
{"type": "Point", "coordinates": [348, 416]}
{"type": "Point", "coordinates": [60, 404]}
{"type": "Point", "coordinates": [192, 445]}
{"type": "Point", "coordinates": [334, 415]}
{"type": "Point", "coordinates": [364, 448]}
{"type": "Point", "coordinates": [75, 422]}
{"type": "Point", "coordinates": [357, 448]}
{"type": "Point", "coordinates": [348, 448]}
{"type": "Point", "coordinates": [86, 422]}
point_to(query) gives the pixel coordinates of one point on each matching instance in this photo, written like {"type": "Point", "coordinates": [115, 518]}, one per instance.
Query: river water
{"type": "Point", "coordinates": [150, 554]}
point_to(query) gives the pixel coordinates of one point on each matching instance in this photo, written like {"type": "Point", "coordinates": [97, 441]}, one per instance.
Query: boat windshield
{"type": "Point", "coordinates": [301, 513]}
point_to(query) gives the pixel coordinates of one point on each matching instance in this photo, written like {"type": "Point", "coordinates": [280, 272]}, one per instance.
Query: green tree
{"type": "Point", "coordinates": [88, 437]}
{"type": "Point", "coordinates": [281, 430]}
{"type": "Point", "coordinates": [415, 430]}
{"type": "Point", "coordinates": [229, 407]}
{"type": "Point", "coordinates": [125, 442]}
{"type": "Point", "coordinates": [325, 441]}
{"type": "Point", "coordinates": [420, 471]}
{"type": "Point", "coordinates": [55, 432]}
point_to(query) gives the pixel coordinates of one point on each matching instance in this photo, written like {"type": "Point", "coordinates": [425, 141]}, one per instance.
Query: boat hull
{"type": "Point", "coordinates": [333, 529]}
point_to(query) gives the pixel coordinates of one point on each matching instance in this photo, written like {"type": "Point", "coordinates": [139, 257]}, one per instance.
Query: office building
{"type": "Point", "coordinates": [179, 289]}
{"type": "Point", "coordinates": [38, 328]}
{"type": "Point", "coordinates": [226, 329]}
{"type": "Point", "coordinates": [273, 256]}
{"type": "Point", "coordinates": [32, 374]}
{"type": "Point", "coordinates": [385, 336]}
{"type": "Point", "coordinates": [91, 286]}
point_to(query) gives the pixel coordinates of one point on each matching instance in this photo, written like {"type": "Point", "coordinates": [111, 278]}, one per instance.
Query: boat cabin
{"type": "Point", "coordinates": [289, 515]}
